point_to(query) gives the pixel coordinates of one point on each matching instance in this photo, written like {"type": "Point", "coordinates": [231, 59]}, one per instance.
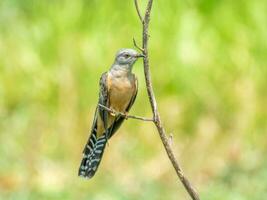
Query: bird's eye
{"type": "Point", "coordinates": [126, 55]}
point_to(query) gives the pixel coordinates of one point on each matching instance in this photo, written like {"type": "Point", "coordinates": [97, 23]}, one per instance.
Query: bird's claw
{"type": "Point", "coordinates": [113, 113]}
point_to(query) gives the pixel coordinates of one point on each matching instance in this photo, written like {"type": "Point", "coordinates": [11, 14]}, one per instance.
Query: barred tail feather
{"type": "Point", "coordinates": [92, 155]}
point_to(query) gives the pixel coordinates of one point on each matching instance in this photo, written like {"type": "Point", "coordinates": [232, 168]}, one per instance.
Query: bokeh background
{"type": "Point", "coordinates": [208, 65]}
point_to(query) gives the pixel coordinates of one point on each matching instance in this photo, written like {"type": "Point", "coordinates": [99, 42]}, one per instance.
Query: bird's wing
{"type": "Point", "coordinates": [118, 121]}
{"type": "Point", "coordinates": [95, 146]}
{"type": "Point", "coordinates": [104, 99]}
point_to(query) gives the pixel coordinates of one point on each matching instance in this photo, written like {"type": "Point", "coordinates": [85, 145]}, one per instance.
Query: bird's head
{"type": "Point", "coordinates": [127, 57]}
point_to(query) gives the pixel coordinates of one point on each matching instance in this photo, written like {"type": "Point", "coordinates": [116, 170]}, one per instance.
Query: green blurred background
{"type": "Point", "coordinates": [208, 65]}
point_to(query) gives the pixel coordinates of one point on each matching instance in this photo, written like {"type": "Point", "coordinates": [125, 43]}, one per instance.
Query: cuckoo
{"type": "Point", "coordinates": [118, 90]}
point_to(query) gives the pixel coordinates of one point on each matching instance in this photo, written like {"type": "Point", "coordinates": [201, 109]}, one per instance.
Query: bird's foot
{"type": "Point", "coordinates": [113, 112]}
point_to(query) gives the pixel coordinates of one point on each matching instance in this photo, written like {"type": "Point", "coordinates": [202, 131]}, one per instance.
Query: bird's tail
{"type": "Point", "coordinates": [92, 155]}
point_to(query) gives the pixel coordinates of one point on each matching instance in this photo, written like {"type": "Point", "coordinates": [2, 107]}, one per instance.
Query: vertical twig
{"type": "Point", "coordinates": [156, 116]}
{"type": "Point", "coordinates": [138, 11]}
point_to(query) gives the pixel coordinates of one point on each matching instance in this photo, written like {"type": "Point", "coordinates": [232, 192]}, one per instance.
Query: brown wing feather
{"type": "Point", "coordinates": [103, 98]}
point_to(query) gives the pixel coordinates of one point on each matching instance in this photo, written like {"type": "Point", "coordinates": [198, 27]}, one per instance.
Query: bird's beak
{"type": "Point", "coordinates": [139, 55]}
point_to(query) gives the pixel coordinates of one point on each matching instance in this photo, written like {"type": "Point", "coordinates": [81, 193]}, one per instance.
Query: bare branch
{"type": "Point", "coordinates": [138, 10]}
{"type": "Point", "coordinates": [137, 46]}
{"type": "Point", "coordinates": [125, 115]}
{"type": "Point", "coordinates": [156, 116]}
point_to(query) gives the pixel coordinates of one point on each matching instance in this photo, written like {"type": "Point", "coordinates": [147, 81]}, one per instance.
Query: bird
{"type": "Point", "coordinates": [118, 90]}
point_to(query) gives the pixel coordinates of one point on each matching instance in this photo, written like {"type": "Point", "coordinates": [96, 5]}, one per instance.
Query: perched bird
{"type": "Point", "coordinates": [118, 90]}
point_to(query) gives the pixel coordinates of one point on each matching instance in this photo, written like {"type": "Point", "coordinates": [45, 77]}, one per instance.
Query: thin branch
{"type": "Point", "coordinates": [125, 115]}
{"type": "Point", "coordinates": [156, 116]}
{"type": "Point", "coordinates": [137, 46]}
{"type": "Point", "coordinates": [138, 10]}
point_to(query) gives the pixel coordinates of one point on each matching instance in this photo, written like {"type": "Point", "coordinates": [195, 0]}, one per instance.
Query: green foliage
{"type": "Point", "coordinates": [208, 64]}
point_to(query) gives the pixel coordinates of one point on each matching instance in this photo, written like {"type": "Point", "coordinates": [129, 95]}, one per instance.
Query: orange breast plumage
{"type": "Point", "coordinates": [121, 91]}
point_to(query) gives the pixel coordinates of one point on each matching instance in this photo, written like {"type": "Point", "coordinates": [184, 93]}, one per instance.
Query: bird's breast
{"type": "Point", "coordinates": [121, 91]}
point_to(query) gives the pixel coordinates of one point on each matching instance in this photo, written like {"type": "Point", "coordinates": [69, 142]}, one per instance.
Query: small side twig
{"type": "Point", "coordinates": [125, 115]}
{"type": "Point", "coordinates": [137, 46]}
{"type": "Point", "coordinates": [156, 116]}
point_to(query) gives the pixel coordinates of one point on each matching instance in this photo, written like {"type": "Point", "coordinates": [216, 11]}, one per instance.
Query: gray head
{"type": "Point", "coordinates": [127, 57]}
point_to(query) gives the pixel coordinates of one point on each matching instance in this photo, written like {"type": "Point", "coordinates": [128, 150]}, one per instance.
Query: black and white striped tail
{"type": "Point", "coordinates": [92, 155]}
